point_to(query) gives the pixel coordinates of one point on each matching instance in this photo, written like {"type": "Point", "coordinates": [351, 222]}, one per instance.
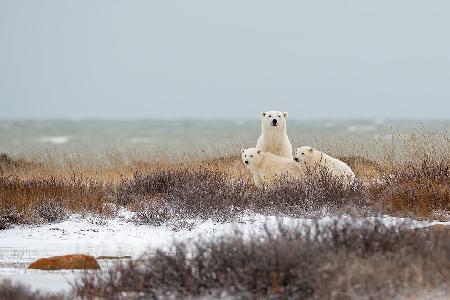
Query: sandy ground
{"type": "Point", "coordinates": [21, 245]}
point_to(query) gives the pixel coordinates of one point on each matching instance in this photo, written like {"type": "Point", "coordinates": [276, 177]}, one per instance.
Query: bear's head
{"type": "Point", "coordinates": [307, 155]}
{"type": "Point", "coordinates": [250, 156]}
{"type": "Point", "coordinates": [275, 120]}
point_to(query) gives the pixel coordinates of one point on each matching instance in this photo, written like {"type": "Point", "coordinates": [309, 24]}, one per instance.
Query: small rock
{"type": "Point", "coordinates": [66, 262]}
{"type": "Point", "coordinates": [114, 257]}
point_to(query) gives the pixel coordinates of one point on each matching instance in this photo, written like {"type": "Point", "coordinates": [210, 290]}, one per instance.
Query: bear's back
{"type": "Point", "coordinates": [337, 167]}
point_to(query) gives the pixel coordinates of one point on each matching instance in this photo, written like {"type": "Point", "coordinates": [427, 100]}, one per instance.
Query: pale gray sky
{"type": "Point", "coordinates": [227, 59]}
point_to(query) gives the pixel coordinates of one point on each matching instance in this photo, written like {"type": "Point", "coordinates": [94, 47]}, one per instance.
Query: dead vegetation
{"type": "Point", "coordinates": [204, 194]}
{"type": "Point", "coordinates": [410, 177]}
{"type": "Point", "coordinates": [417, 190]}
{"type": "Point", "coordinates": [336, 261]}
{"type": "Point", "coordinates": [18, 291]}
{"type": "Point", "coordinates": [49, 199]}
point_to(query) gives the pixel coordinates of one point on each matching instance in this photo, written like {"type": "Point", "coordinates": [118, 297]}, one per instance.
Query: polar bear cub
{"type": "Point", "coordinates": [274, 138]}
{"type": "Point", "coordinates": [316, 161]}
{"type": "Point", "coordinates": [267, 167]}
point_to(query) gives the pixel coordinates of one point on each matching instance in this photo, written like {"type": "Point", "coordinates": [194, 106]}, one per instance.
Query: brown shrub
{"type": "Point", "coordinates": [183, 192]}
{"type": "Point", "coordinates": [408, 190]}
{"type": "Point", "coordinates": [8, 217]}
{"type": "Point", "coordinates": [49, 211]}
{"type": "Point", "coordinates": [203, 194]}
{"type": "Point", "coordinates": [18, 291]}
{"type": "Point", "coordinates": [337, 261]}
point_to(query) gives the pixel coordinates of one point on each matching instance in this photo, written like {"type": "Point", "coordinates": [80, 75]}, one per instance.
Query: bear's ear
{"type": "Point", "coordinates": [285, 114]}
{"type": "Point", "coordinates": [311, 149]}
{"type": "Point", "coordinates": [263, 114]}
{"type": "Point", "coordinates": [259, 151]}
{"type": "Point", "coordinates": [242, 150]}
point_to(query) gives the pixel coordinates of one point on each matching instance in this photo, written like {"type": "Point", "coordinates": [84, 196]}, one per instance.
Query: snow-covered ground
{"type": "Point", "coordinates": [21, 245]}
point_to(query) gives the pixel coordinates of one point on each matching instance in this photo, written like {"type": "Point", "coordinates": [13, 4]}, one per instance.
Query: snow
{"type": "Point", "coordinates": [118, 236]}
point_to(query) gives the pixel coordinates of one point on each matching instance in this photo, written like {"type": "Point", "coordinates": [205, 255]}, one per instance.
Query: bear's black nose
{"type": "Point", "coordinates": [296, 159]}
{"type": "Point", "coordinates": [246, 162]}
{"type": "Point", "coordinates": [274, 121]}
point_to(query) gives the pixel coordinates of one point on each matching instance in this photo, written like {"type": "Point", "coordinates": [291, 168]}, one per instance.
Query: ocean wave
{"type": "Point", "coordinates": [56, 140]}
{"type": "Point", "coordinates": [355, 128]}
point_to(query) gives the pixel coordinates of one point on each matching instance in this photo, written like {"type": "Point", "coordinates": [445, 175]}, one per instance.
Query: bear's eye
{"type": "Point", "coordinates": [251, 155]}
{"type": "Point", "coordinates": [270, 116]}
{"type": "Point", "coordinates": [303, 153]}
{"type": "Point", "coordinates": [279, 116]}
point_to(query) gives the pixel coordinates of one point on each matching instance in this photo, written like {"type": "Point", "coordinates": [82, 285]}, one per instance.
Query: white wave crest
{"type": "Point", "coordinates": [56, 140]}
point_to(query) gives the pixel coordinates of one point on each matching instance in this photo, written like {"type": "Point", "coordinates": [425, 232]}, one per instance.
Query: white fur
{"type": "Point", "coordinates": [267, 167]}
{"type": "Point", "coordinates": [315, 161]}
{"type": "Point", "coordinates": [274, 139]}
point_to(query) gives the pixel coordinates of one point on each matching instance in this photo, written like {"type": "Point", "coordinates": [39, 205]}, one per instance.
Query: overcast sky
{"type": "Point", "coordinates": [227, 59]}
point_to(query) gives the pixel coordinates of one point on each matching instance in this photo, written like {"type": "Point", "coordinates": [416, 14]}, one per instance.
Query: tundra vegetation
{"type": "Point", "coordinates": [408, 179]}
{"type": "Point", "coordinates": [406, 176]}
{"type": "Point", "coordinates": [335, 261]}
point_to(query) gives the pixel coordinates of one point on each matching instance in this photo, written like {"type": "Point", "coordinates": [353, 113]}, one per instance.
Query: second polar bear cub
{"type": "Point", "coordinates": [274, 138]}
{"type": "Point", "coordinates": [316, 161]}
{"type": "Point", "coordinates": [267, 167]}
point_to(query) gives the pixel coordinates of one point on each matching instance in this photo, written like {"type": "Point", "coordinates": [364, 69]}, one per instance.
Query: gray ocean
{"type": "Point", "coordinates": [25, 137]}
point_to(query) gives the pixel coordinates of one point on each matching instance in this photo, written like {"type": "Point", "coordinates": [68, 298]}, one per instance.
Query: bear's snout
{"type": "Point", "coordinates": [274, 122]}
{"type": "Point", "coordinates": [296, 159]}
{"type": "Point", "coordinates": [246, 162]}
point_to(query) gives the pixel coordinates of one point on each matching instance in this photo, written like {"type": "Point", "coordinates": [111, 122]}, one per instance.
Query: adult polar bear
{"type": "Point", "coordinates": [274, 138]}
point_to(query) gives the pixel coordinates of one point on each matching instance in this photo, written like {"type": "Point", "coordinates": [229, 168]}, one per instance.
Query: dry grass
{"type": "Point", "coordinates": [45, 199]}
{"type": "Point", "coordinates": [337, 261]}
{"type": "Point", "coordinates": [408, 176]}
{"type": "Point", "coordinates": [417, 190]}
{"type": "Point", "coordinates": [365, 170]}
